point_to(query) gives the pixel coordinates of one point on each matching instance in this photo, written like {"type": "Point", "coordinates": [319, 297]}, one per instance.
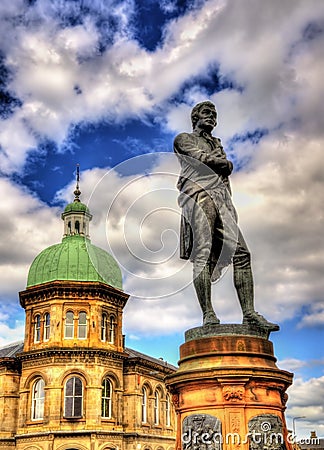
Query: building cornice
{"type": "Point", "coordinates": [131, 364]}
{"type": "Point", "coordinates": [71, 353]}
{"type": "Point", "coordinates": [98, 433]}
{"type": "Point", "coordinates": [72, 290]}
{"type": "Point", "coordinates": [10, 363]}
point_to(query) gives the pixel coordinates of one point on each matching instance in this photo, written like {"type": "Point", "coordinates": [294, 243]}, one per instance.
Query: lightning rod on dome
{"type": "Point", "coordinates": [77, 191]}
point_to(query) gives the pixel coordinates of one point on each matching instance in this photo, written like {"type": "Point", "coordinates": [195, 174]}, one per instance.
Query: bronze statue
{"type": "Point", "coordinates": [209, 234]}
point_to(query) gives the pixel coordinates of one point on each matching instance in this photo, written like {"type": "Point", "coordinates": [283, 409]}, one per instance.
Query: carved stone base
{"type": "Point", "coordinates": [229, 393]}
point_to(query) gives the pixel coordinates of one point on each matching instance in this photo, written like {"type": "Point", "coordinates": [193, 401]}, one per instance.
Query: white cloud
{"type": "Point", "coordinates": [11, 334]}
{"type": "Point", "coordinates": [59, 75]}
{"type": "Point", "coordinates": [27, 227]}
{"type": "Point", "coordinates": [15, 139]}
{"type": "Point", "coordinates": [291, 364]}
{"type": "Point", "coordinates": [315, 317]}
{"type": "Point", "coordinates": [281, 209]}
{"type": "Point", "coordinates": [305, 401]}
{"type": "Point", "coordinates": [276, 75]}
{"type": "Point", "coordinates": [11, 322]}
{"type": "Point", "coordinates": [63, 79]}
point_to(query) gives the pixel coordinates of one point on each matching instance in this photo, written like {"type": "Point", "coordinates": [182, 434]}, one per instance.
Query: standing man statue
{"type": "Point", "coordinates": [209, 235]}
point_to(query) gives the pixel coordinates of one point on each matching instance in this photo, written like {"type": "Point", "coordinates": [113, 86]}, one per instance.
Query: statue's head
{"type": "Point", "coordinates": [197, 110]}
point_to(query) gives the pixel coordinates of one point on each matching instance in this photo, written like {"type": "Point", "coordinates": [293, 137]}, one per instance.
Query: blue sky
{"type": "Point", "coordinates": [108, 84]}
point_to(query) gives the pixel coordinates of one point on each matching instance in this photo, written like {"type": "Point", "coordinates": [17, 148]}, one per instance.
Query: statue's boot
{"type": "Point", "coordinates": [202, 283]}
{"type": "Point", "coordinates": [243, 282]}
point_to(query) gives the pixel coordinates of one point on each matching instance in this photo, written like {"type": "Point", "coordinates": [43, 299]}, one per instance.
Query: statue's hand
{"type": "Point", "coordinates": [224, 167]}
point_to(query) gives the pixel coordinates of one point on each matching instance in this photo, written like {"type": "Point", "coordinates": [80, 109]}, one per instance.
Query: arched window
{"type": "Point", "coordinates": [69, 325]}
{"type": "Point", "coordinates": [156, 408]}
{"type": "Point", "coordinates": [144, 404]}
{"type": "Point", "coordinates": [106, 399]}
{"type": "Point", "coordinates": [38, 397]}
{"type": "Point", "coordinates": [47, 323]}
{"type": "Point", "coordinates": [73, 398]}
{"type": "Point", "coordinates": [168, 411]}
{"type": "Point", "coordinates": [77, 227]}
{"type": "Point", "coordinates": [111, 335]}
{"type": "Point", "coordinates": [82, 325]}
{"type": "Point", "coordinates": [104, 319]}
{"type": "Point", "coordinates": [37, 328]}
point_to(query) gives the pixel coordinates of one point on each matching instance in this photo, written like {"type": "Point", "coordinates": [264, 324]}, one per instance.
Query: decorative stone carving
{"type": "Point", "coordinates": [241, 346]}
{"type": "Point", "coordinates": [235, 423]}
{"type": "Point", "coordinates": [176, 399]}
{"type": "Point", "coordinates": [233, 393]}
{"type": "Point", "coordinates": [266, 433]}
{"type": "Point", "coordinates": [201, 432]}
{"type": "Point", "coordinates": [284, 398]}
{"type": "Point", "coordinates": [235, 427]}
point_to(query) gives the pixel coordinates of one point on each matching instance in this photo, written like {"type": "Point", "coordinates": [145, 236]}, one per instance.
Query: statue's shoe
{"type": "Point", "coordinates": [210, 318]}
{"type": "Point", "coordinates": [255, 319]}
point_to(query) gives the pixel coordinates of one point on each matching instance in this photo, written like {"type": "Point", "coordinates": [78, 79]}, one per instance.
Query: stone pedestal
{"type": "Point", "coordinates": [228, 391]}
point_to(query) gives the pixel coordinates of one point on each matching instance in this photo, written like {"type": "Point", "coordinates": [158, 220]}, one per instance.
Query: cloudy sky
{"type": "Point", "coordinates": [108, 84]}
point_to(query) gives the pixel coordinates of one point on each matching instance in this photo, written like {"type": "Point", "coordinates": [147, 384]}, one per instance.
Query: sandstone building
{"type": "Point", "coordinates": [72, 384]}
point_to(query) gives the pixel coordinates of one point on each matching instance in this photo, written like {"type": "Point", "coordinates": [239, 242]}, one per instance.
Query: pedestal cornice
{"type": "Point", "coordinates": [228, 329]}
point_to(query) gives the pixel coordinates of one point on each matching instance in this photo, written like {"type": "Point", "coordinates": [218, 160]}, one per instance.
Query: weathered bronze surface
{"type": "Point", "coordinates": [209, 235]}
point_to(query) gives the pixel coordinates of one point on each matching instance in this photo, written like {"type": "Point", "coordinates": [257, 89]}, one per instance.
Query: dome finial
{"type": "Point", "coordinates": [77, 191]}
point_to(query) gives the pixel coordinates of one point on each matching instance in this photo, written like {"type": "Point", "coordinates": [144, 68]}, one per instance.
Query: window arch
{"type": "Point", "coordinates": [156, 408]}
{"type": "Point", "coordinates": [47, 323]}
{"type": "Point", "coordinates": [37, 328]}
{"type": "Point", "coordinates": [69, 325]}
{"type": "Point", "coordinates": [73, 398]}
{"type": "Point", "coordinates": [104, 325]}
{"type": "Point", "coordinates": [144, 404]}
{"type": "Point", "coordinates": [77, 227]}
{"type": "Point", "coordinates": [38, 400]}
{"type": "Point", "coordinates": [106, 399]}
{"type": "Point", "coordinates": [82, 325]}
{"type": "Point", "coordinates": [111, 331]}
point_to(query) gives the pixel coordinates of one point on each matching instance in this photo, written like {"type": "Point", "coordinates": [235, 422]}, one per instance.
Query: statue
{"type": "Point", "coordinates": [209, 234]}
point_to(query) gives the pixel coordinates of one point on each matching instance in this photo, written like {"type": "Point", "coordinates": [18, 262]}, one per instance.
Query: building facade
{"type": "Point", "coordinates": [72, 384]}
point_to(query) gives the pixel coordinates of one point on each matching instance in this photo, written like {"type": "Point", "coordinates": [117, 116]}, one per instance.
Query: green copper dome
{"type": "Point", "coordinates": [74, 259]}
{"type": "Point", "coordinates": [76, 207]}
